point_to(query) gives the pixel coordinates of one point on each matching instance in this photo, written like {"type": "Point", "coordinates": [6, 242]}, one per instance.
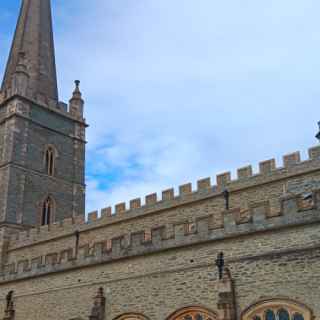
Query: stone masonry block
{"type": "Point", "coordinates": [151, 199]}
{"type": "Point", "coordinates": [223, 179]}
{"type": "Point", "coordinates": [23, 265]}
{"type": "Point", "coordinates": [274, 208]}
{"type": "Point", "coordinates": [35, 231]}
{"type": "Point", "coordinates": [121, 207]}
{"type": "Point", "coordinates": [260, 212]}
{"type": "Point", "coordinates": [157, 234]}
{"type": "Point", "coordinates": [80, 219]}
{"type": "Point", "coordinates": [92, 216]}
{"type": "Point", "coordinates": [229, 221]}
{"type": "Point", "coordinates": [314, 153]}
{"type": "Point", "coordinates": [44, 229]}
{"type": "Point", "coordinates": [267, 166]}
{"type": "Point", "coordinates": [180, 230]}
{"type": "Point", "coordinates": [67, 222]}
{"type": "Point", "coordinates": [291, 159]}
{"type": "Point", "coordinates": [23, 236]}
{"type": "Point", "coordinates": [147, 235]}
{"type": "Point", "coordinates": [136, 238]}
{"type": "Point", "coordinates": [204, 184]}
{"type": "Point", "coordinates": [168, 194]}
{"type": "Point", "coordinates": [106, 212]}
{"type": "Point", "coordinates": [135, 203]}
{"type": "Point", "coordinates": [245, 172]}
{"type": "Point", "coordinates": [36, 263]}
{"type": "Point", "coordinates": [185, 189]}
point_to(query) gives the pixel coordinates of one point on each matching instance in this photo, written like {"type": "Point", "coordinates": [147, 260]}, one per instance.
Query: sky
{"type": "Point", "coordinates": [178, 90]}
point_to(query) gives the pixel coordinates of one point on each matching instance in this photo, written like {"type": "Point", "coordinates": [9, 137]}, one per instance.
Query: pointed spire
{"type": "Point", "coordinates": [34, 37]}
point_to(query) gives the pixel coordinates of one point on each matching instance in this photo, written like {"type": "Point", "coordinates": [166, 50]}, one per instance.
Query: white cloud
{"type": "Point", "coordinates": [180, 90]}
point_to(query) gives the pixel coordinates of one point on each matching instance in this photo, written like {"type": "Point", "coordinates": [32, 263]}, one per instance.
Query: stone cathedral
{"type": "Point", "coordinates": [246, 248]}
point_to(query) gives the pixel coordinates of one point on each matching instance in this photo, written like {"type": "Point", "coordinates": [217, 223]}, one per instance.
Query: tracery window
{"type": "Point", "coordinates": [47, 212]}
{"type": "Point", "coordinates": [277, 309]}
{"type": "Point", "coordinates": [193, 313]}
{"type": "Point", "coordinates": [50, 161]}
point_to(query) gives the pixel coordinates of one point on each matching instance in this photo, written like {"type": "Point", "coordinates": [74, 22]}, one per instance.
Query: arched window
{"type": "Point", "coordinates": [47, 212]}
{"type": "Point", "coordinates": [277, 309]}
{"type": "Point", "coordinates": [193, 313]}
{"type": "Point", "coordinates": [49, 161]}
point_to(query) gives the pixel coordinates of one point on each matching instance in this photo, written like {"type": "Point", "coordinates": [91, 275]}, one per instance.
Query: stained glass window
{"type": "Point", "coordinates": [283, 315]}
{"type": "Point", "coordinates": [193, 313]}
{"type": "Point", "coordinates": [270, 315]}
{"type": "Point", "coordinates": [277, 309]}
{"type": "Point", "coordinates": [298, 316]}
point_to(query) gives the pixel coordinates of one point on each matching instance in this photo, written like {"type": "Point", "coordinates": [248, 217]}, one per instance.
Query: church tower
{"type": "Point", "coordinates": [42, 140]}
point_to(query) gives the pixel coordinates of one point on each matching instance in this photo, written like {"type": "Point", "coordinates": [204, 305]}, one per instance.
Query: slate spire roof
{"type": "Point", "coordinates": [34, 38]}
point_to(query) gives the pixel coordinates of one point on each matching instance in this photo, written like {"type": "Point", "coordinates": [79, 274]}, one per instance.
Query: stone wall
{"type": "Point", "coordinates": [275, 263]}
{"type": "Point", "coordinates": [158, 257]}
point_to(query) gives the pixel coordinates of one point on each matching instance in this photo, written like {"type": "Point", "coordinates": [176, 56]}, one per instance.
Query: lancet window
{"type": "Point", "coordinates": [50, 161]}
{"type": "Point", "coordinates": [47, 212]}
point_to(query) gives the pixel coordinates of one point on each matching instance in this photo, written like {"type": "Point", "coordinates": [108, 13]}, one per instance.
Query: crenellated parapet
{"type": "Point", "coordinates": [294, 210]}
{"type": "Point", "coordinates": [294, 177]}
{"type": "Point", "coordinates": [14, 103]}
{"type": "Point", "coordinates": [246, 178]}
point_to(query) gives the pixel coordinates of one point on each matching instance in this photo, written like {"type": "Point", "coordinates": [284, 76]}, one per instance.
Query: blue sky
{"type": "Point", "coordinates": [178, 90]}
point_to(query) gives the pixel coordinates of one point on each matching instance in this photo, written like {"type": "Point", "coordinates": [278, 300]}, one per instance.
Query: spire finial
{"type": "Point", "coordinates": [77, 92]}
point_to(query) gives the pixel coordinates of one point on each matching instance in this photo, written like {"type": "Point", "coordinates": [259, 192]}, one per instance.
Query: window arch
{"type": "Point", "coordinates": [277, 309]}
{"type": "Point", "coordinates": [131, 316]}
{"type": "Point", "coordinates": [193, 313]}
{"type": "Point", "coordinates": [49, 160]}
{"type": "Point", "coordinates": [47, 211]}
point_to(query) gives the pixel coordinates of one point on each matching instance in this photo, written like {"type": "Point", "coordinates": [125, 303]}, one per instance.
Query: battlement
{"type": "Point", "coordinates": [60, 108]}
{"type": "Point", "coordinates": [268, 173]}
{"type": "Point", "coordinates": [295, 210]}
